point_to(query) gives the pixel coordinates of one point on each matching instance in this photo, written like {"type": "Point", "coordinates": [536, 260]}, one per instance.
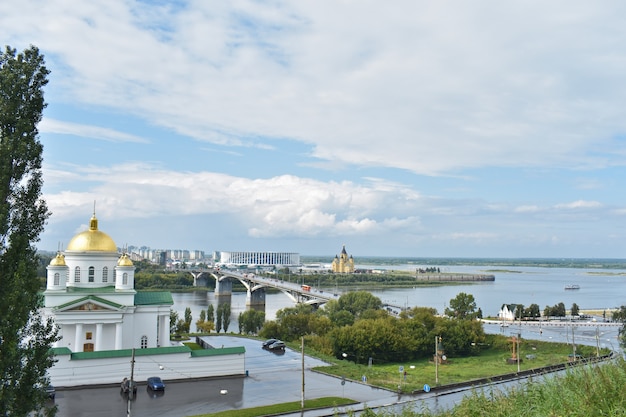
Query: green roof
{"type": "Point", "coordinates": [58, 351]}
{"type": "Point", "coordinates": [89, 298]}
{"type": "Point", "coordinates": [127, 353]}
{"type": "Point", "coordinates": [217, 352]}
{"type": "Point", "coordinates": [145, 298]}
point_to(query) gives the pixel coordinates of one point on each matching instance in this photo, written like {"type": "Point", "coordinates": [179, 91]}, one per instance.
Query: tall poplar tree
{"type": "Point", "coordinates": [25, 336]}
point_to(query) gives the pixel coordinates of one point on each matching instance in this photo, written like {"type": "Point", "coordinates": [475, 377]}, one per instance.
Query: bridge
{"type": "Point", "coordinates": [256, 285]}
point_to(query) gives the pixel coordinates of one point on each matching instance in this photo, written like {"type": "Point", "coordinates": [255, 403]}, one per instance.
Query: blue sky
{"type": "Point", "coordinates": [411, 128]}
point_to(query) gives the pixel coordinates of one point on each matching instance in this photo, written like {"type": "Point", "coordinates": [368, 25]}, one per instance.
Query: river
{"type": "Point", "coordinates": [599, 289]}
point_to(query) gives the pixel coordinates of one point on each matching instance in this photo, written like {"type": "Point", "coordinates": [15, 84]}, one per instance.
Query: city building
{"type": "Point", "coordinates": [343, 264]}
{"type": "Point", "coordinates": [256, 259]}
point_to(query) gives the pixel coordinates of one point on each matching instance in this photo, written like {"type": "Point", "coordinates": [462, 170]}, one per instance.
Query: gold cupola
{"type": "Point", "coordinates": [58, 260]}
{"type": "Point", "coordinates": [124, 261]}
{"type": "Point", "coordinates": [92, 240]}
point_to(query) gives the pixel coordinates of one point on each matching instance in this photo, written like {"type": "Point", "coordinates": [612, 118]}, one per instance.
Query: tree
{"type": "Point", "coordinates": [210, 313]}
{"type": "Point", "coordinates": [25, 336]}
{"type": "Point", "coordinates": [188, 319]}
{"type": "Point", "coordinates": [173, 322]}
{"type": "Point", "coordinates": [532, 311]}
{"type": "Point", "coordinates": [251, 321]}
{"type": "Point", "coordinates": [225, 316]}
{"type": "Point", "coordinates": [575, 309]}
{"type": "Point", "coordinates": [356, 302]}
{"type": "Point", "coordinates": [462, 307]}
{"type": "Point", "coordinates": [218, 318]}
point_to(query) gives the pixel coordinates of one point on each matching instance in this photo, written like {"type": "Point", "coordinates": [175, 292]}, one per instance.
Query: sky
{"type": "Point", "coordinates": [405, 128]}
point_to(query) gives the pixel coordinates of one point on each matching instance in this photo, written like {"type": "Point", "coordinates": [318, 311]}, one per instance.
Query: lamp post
{"type": "Point", "coordinates": [302, 400]}
{"type": "Point", "coordinates": [437, 338]}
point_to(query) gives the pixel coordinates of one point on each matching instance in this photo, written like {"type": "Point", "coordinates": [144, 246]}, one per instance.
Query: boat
{"type": "Point", "coordinates": [572, 287]}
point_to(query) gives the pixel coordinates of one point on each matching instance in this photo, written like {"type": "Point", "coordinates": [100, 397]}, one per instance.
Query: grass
{"type": "Point", "coordinates": [491, 362]}
{"type": "Point", "coordinates": [290, 407]}
{"type": "Point", "coordinates": [587, 391]}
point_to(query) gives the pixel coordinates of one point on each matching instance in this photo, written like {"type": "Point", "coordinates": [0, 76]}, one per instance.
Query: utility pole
{"type": "Point", "coordinates": [302, 401]}
{"type": "Point", "coordinates": [436, 362]}
{"type": "Point", "coordinates": [131, 384]}
{"type": "Point", "coordinates": [519, 336]}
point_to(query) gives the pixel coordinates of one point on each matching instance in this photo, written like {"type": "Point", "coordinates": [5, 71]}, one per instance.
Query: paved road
{"type": "Point", "coordinates": [273, 378]}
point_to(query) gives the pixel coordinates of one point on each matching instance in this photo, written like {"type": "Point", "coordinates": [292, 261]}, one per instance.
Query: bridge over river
{"type": "Point", "coordinates": [256, 286]}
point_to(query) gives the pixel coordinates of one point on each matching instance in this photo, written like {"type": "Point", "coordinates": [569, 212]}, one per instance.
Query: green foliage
{"type": "Point", "coordinates": [357, 302]}
{"type": "Point", "coordinates": [462, 307]}
{"type": "Point", "coordinates": [25, 336]}
{"type": "Point", "coordinates": [251, 321]}
{"type": "Point", "coordinates": [173, 322]}
{"type": "Point", "coordinates": [210, 313]}
{"type": "Point", "coordinates": [225, 316]}
{"type": "Point", "coordinates": [557, 310]}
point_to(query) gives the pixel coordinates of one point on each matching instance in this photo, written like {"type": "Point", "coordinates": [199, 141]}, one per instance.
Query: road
{"type": "Point", "coordinates": [273, 378]}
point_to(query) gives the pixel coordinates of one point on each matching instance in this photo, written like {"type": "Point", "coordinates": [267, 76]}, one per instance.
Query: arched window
{"type": "Point", "coordinates": [92, 274]}
{"type": "Point", "coordinates": [57, 278]}
{"type": "Point", "coordinates": [105, 274]}
{"type": "Point", "coordinates": [125, 278]}
{"type": "Point", "coordinates": [77, 274]}
{"type": "Point", "coordinates": [144, 342]}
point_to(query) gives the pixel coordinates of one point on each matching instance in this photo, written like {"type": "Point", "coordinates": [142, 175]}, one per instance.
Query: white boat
{"type": "Point", "coordinates": [572, 287]}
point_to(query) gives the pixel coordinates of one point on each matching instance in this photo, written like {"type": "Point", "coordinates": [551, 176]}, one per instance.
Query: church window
{"type": "Point", "coordinates": [57, 278]}
{"type": "Point", "coordinates": [125, 278]}
{"type": "Point", "coordinates": [88, 335]}
{"type": "Point", "coordinates": [144, 342]}
{"type": "Point", "coordinates": [92, 274]}
{"type": "Point", "coordinates": [105, 274]}
{"type": "Point", "coordinates": [77, 274]}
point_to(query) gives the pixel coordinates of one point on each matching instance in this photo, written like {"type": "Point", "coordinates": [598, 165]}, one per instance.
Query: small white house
{"type": "Point", "coordinates": [507, 313]}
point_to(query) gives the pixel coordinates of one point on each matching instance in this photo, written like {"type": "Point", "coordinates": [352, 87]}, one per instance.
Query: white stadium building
{"type": "Point", "coordinates": [256, 259]}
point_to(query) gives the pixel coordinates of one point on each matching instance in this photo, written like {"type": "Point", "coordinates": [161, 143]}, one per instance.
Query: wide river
{"type": "Point", "coordinates": [599, 289]}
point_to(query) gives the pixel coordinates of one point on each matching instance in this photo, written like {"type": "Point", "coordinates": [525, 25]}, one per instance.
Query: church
{"type": "Point", "coordinates": [90, 293]}
{"type": "Point", "coordinates": [105, 324]}
{"type": "Point", "coordinates": [343, 264]}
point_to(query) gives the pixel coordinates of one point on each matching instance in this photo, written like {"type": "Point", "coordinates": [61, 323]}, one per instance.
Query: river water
{"type": "Point", "coordinates": [599, 289]}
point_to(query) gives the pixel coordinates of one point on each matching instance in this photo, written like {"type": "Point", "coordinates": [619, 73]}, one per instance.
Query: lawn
{"type": "Point", "coordinates": [491, 362]}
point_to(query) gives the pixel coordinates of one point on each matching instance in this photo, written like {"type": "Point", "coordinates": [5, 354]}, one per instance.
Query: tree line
{"type": "Point", "coordinates": [356, 327]}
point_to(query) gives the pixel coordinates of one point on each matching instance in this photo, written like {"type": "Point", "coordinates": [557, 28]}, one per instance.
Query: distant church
{"type": "Point", "coordinates": [343, 264]}
{"type": "Point", "coordinates": [91, 295]}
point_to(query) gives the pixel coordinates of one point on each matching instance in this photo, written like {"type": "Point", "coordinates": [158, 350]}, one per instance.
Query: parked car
{"type": "Point", "coordinates": [277, 345]}
{"type": "Point", "coordinates": [127, 385]}
{"type": "Point", "coordinates": [155, 384]}
{"type": "Point", "coordinates": [268, 342]}
{"type": "Point", "coordinates": [51, 392]}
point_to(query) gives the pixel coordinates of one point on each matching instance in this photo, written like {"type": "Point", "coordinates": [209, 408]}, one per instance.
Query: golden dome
{"type": "Point", "coordinates": [58, 260]}
{"type": "Point", "coordinates": [124, 261]}
{"type": "Point", "coordinates": [92, 240]}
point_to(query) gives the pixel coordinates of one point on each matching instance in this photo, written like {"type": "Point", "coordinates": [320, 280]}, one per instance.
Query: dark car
{"type": "Point", "coordinates": [51, 392]}
{"type": "Point", "coordinates": [277, 345]}
{"type": "Point", "coordinates": [268, 342]}
{"type": "Point", "coordinates": [127, 385]}
{"type": "Point", "coordinates": [155, 384]}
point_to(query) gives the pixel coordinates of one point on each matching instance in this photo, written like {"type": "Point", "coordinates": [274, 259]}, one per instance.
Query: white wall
{"type": "Point", "coordinates": [68, 373]}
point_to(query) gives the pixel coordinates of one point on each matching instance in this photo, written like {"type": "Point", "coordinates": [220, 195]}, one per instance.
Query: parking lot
{"type": "Point", "coordinates": [273, 377]}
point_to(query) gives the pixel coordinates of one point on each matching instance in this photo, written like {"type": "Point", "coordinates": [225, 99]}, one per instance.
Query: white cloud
{"type": "Point", "coordinates": [429, 88]}
{"type": "Point", "coordinates": [580, 204]}
{"type": "Point", "coordinates": [312, 207]}
{"type": "Point", "coordinates": [48, 125]}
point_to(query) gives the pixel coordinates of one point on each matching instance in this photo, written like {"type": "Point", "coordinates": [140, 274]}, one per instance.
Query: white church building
{"type": "Point", "coordinates": [91, 293]}
{"type": "Point", "coordinates": [102, 320]}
